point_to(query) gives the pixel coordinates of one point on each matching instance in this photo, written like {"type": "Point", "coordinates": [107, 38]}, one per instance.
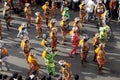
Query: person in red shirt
{"type": "Point", "coordinates": [112, 5]}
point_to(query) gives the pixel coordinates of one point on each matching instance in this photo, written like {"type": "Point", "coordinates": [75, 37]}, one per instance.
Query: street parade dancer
{"type": "Point", "coordinates": [22, 31]}
{"type": "Point", "coordinates": [105, 17]}
{"type": "Point", "coordinates": [65, 70]}
{"type": "Point", "coordinates": [7, 15]}
{"type": "Point", "coordinates": [95, 43]}
{"type": "Point", "coordinates": [38, 22]}
{"type": "Point", "coordinates": [75, 41]}
{"type": "Point", "coordinates": [33, 64]}
{"type": "Point", "coordinates": [100, 57]}
{"type": "Point", "coordinates": [107, 30]}
{"type": "Point", "coordinates": [112, 6]}
{"type": "Point", "coordinates": [84, 49]}
{"type": "Point", "coordinates": [99, 11]}
{"type": "Point", "coordinates": [26, 46]}
{"type": "Point", "coordinates": [48, 56]}
{"type": "Point", "coordinates": [46, 10]}
{"type": "Point", "coordinates": [64, 25]}
{"type": "Point", "coordinates": [54, 7]}
{"type": "Point", "coordinates": [53, 34]}
{"type": "Point", "coordinates": [27, 11]}
{"type": "Point", "coordinates": [83, 12]}
{"type": "Point", "coordinates": [3, 57]}
{"type": "Point", "coordinates": [24, 43]}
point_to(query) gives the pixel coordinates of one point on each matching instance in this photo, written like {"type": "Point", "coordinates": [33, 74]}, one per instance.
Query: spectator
{"type": "Point", "coordinates": [106, 4]}
{"type": "Point", "coordinates": [20, 77]}
{"type": "Point", "coordinates": [49, 78]}
{"type": "Point", "coordinates": [76, 77]}
{"type": "Point", "coordinates": [112, 6]}
{"type": "Point", "coordinates": [15, 75]}
{"type": "Point", "coordinates": [75, 5]}
{"type": "Point", "coordinates": [2, 1]}
{"type": "Point", "coordinates": [5, 77]}
{"type": "Point", "coordinates": [0, 76]}
{"type": "Point", "coordinates": [11, 78]}
{"type": "Point", "coordinates": [43, 77]}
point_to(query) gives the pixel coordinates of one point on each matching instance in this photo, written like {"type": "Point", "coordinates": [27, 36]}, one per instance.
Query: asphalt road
{"type": "Point", "coordinates": [17, 62]}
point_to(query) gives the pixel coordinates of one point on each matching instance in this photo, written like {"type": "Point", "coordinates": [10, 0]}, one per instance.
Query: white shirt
{"type": "Point", "coordinates": [90, 6]}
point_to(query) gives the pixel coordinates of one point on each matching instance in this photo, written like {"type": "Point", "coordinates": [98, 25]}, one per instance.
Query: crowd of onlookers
{"type": "Point", "coordinates": [17, 76]}
{"type": "Point", "coordinates": [33, 76]}
{"type": "Point", "coordinates": [18, 5]}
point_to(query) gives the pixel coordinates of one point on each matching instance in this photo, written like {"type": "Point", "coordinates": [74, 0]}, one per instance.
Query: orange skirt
{"type": "Point", "coordinates": [47, 15]}
{"type": "Point", "coordinates": [34, 67]}
{"type": "Point", "coordinates": [26, 55]}
{"type": "Point", "coordinates": [64, 33]}
{"type": "Point", "coordinates": [28, 17]}
{"type": "Point", "coordinates": [83, 55]}
{"type": "Point", "coordinates": [100, 61]}
{"type": "Point", "coordinates": [99, 15]}
{"type": "Point", "coordinates": [82, 15]}
{"type": "Point", "coordinates": [38, 26]}
{"type": "Point", "coordinates": [53, 44]}
{"type": "Point", "coordinates": [53, 7]}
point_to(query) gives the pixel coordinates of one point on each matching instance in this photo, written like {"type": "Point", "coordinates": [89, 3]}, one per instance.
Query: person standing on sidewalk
{"type": "Point", "coordinates": [112, 6]}
{"type": "Point", "coordinates": [75, 5]}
